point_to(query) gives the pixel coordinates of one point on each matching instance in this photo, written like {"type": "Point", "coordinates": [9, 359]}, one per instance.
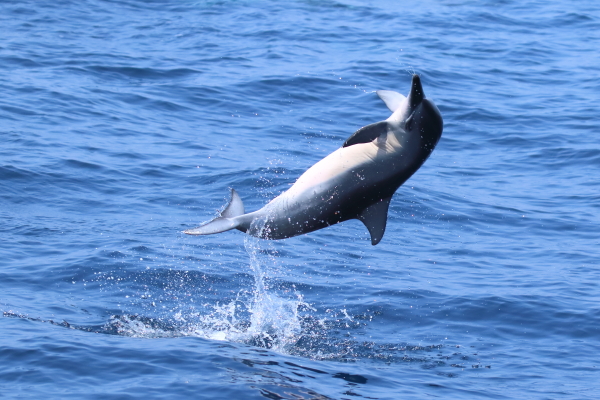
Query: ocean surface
{"type": "Point", "coordinates": [123, 123]}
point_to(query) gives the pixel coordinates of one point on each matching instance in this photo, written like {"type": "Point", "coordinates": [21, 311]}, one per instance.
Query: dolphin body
{"type": "Point", "coordinates": [357, 181]}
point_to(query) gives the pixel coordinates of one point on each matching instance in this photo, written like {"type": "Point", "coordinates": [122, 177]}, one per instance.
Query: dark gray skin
{"type": "Point", "coordinates": [356, 181]}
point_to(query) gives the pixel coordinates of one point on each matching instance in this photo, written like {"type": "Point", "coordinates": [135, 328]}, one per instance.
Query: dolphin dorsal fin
{"type": "Point", "coordinates": [392, 99]}
{"type": "Point", "coordinates": [375, 218]}
{"type": "Point", "coordinates": [367, 133]}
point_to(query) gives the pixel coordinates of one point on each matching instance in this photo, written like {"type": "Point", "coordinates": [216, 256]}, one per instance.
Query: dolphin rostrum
{"type": "Point", "coordinates": [357, 181]}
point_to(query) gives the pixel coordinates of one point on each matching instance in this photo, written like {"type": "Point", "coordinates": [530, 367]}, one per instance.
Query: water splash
{"type": "Point", "coordinates": [264, 315]}
{"type": "Point", "coordinates": [274, 317]}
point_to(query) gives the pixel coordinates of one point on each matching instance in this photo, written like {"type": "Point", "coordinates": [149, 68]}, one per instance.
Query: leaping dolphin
{"type": "Point", "coordinates": [357, 181]}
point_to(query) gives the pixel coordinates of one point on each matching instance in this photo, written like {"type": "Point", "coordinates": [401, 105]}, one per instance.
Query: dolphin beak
{"type": "Point", "coordinates": [416, 95]}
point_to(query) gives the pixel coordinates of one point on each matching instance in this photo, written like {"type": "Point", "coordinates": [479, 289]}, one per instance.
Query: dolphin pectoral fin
{"type": "Point", "coordinates": [375, 218]}
{"type": "Point", "coordinates": [393, 100]}
{"type": "Point", "coordinates": [367, 133]}
{"type": "Point", "coordinates": [225, 221]}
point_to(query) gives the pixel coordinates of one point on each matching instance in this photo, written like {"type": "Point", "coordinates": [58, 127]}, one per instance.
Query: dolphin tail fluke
{"type": "Point", "coordinates": [225, 221]}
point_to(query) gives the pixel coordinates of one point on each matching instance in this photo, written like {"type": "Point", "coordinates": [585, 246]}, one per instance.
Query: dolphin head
{"type": "Point", "coordinates": [421, 117]}
{"type": "Point", "coordinates": [416, 95]}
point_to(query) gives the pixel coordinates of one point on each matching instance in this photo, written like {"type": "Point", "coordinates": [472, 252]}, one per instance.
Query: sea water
{"type": "Point", "coordinates": [123, 123]}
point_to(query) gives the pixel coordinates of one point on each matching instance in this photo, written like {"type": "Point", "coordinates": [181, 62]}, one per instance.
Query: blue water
{"type": "Point", "coordinates": [122, 123]}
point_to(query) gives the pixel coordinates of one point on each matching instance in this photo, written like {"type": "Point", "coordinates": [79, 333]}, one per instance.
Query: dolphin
{"type": "Point", "coordinates": [357, 181]}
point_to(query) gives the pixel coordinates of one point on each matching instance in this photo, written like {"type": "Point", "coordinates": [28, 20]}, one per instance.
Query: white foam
{"type": "Point", "coordinates": [260, 315]}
